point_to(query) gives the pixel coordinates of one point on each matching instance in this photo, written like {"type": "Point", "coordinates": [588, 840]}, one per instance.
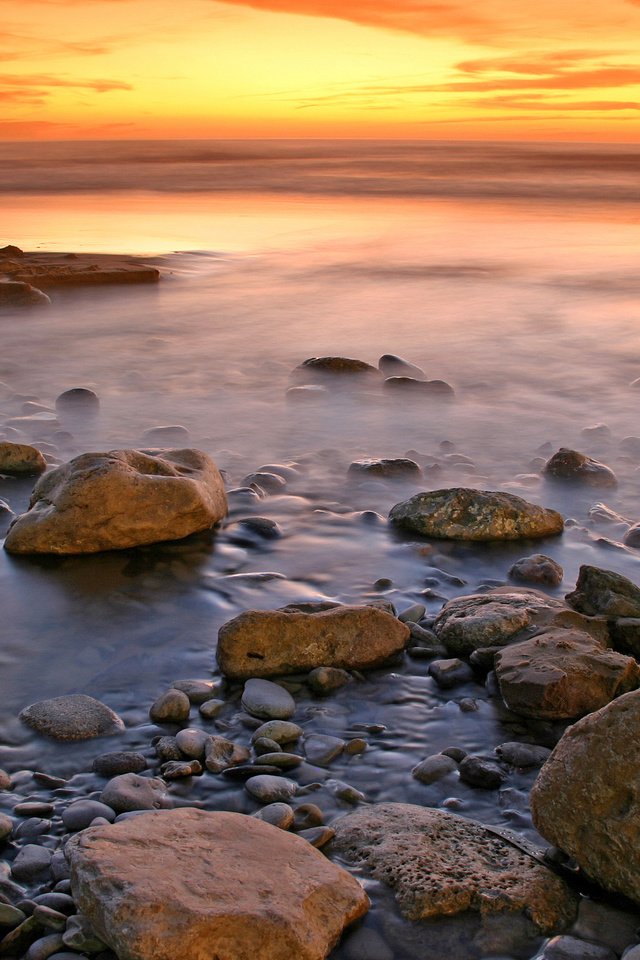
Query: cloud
{"type": "Point", "coordinates": [13, 83]}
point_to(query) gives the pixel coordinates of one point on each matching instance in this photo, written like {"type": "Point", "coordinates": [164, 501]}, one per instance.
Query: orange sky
{"type": "Point", "coordinates": [504, 69]}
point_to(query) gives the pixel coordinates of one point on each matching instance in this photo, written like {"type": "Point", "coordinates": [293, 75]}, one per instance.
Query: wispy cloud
{"type": "Point", "coordinates": [16, 82]}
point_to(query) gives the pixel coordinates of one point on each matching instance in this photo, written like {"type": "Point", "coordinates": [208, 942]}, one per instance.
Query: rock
{"type": "Point", "coordinates": [112, 764]}
{"type": "Point", "coordinates": [334, 370]}
{"type": "Point", "coordinates": [80, 813]}
{"type": "Point", "coordinates": [33, 808]}
{"type": "Point", "coordinates": [198, 691]}
{"type": "Point", "coordinates": [177, 769]}
{"type": "Point", "coordinates": [10, 916]}
{"type": "Point", "coordinates": [15, 293]}
{"type": "Point", "coordinates": [310, 393]}
{"type": "Point", "coordinates": [260, 527]}
{"type": "Point", "coordinates": [571, 465]}
{"type": "Point", "coordinates": [449, 673]}
{"type": "Point", "coordinates": [83, 269]}
{"type": "Point", "coordinates": [220, 754]}
{"type": "Point", "coordinates": [439, 864]}
{"type": "Point", "coordinates": [398, 469]}
{"type": "Point", "coordinates": [270, 789]}
{"type": "Point", "coordinates": [132, 792]}
{"type": "Point", "coordinates": [430, 389]}
{"type": "Point", "coordinates": [478, 772]}
{"type": "Point", "coordinates": [211, 708]}
{"type": "Point", "coordinates": [172, 435]}
{"type": "Point", "coordinates": [73, 717]}
{"type": "Point", "coordinates": [21, 458]}
{"type": "Point", "coordinates": [172, 706]}
{"type": "Point", "coordinates": [19, 940]}
{"type": "Point", "coordinates": [604, 593]}
{"type": "Point", "coordinates": [321, 749]}
{"type": "Point", "coordinates": [522, 754]}
{"type": "Point", "coordinates": [570, 948]}
{"type": "Point", "coordinates": [288, 902]}
{"type": "Point", "coordinates": [493, 619]}
{"type": "Point", "coordinates": [79, 401]}
{"type": "Point", "coordinates": [459, 513]}
{"type": "Point", "coordinates": [31, 863]}
{"type": "Point", "coordinates": [166, 748]}
{"type": "Point", "coordinates": [121, 499]}
{"type": "Point", "coordinates": [632, 536]}
{"type": "Point", "coordinates": [6, 826]}
{"type": "Point", "coordinates": [266, 643]}
{"type": "Point", "coordinates": [267, 700]}
{"type": "Point", "coordinates": [263, 745]}
{"type": "Point", "coordinates": [584, 799]}
{"type": "Point", "coordinates": [562, 674]}
{"type": "Point", "coordinates": [324, 680]}
{"type": "Point", "coordinates": [318, 837]}
{"type": "Point", "coordinates": [625, 635]}
{"type": "Point", "coordinates": [434, 768]}
{"type": "Point", "coordinates": [280, 731]}
{"type": "Point", "coordinates": [280, 759]}
{"type": "Point", "coordinates": [192, 742]}
{"type": "Point", "coordinates": [278, 814]}
{"type": "Point", "coordinates": [80, 935]}
{"type": "Point", "coordinates": [57, 901]}
{"type": "Point", "coordinates": [50, 919]}
{"type": "Point", "coordinates": [537, 569]}
{"type": "Point", "coordinates": [392, 366]}
{"type": "Point", "coordinates": [269, 482]}
{"type": "Point", "coordinates": [307, 815]}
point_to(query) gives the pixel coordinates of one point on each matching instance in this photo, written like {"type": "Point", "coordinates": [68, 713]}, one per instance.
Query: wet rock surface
{"type": "Point", "coordinates": [75, 717]}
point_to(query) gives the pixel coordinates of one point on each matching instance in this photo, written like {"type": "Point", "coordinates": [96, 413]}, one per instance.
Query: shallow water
{"type": "Point", "coordinates": [514, 278]}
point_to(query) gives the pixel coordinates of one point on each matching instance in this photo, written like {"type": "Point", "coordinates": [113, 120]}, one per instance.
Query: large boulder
{"type": "Point", "coordinates": [193, 884]}
{"type": "Point", "coordinates": [120, 499]}
{"type": "Point", "coordinates": [604, 593]}
{"type": "Point", "coordinates": [562, 674]}
{"type": "Point", "coordinates": [585, 799]}
{"type": "Point", "coordinates": [439, 864]}
{"type": "Point", "coordinates": [263, 643]}
{"type": "Point", "coordinates": [572, 465]}
{"type": "Point", "coordinates": [460, 513]}
{"type": "Point", "coordinates": [21, 458]}
{"type": "Point", "coordinates": [72, 717]}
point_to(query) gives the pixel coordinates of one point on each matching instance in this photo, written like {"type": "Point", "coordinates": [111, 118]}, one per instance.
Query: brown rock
{"type": "Point", "coordinates": [334, 369]}
{"type": "Point", "coordinates": [399, 468]}
{"type": "Point", "coordinates": [571, 465]}
{"type": "Point", "coordinates": [47, 270]}
{"type": "Point", "coordinates": [585, 799]}
{"type": "Point", "coordinates": [16, 293]}
{"type": "Point", "coordinates": [537, 569]}
{"type": "Point", "coordinates": [460, 513]}
{"type": "Point", "coordinates": [120, 499]}
{"type": "Point", "coordinates": [439, 864]}
{"type": "Point", "coordinates": [604, 593]}
{"type": "Point", "coordinates": [562, 674]}
{"type": "Point", "coordinates": [219, 898]}
{"type": "Point", "coordinates": [430, 389]}
{"type": "Point", "coordinates": [21, 458]}
{"type": "Point", "coordinates": [266, 643]}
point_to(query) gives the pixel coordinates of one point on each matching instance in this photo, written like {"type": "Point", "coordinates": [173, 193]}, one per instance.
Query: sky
{"type": "Point", "coordinates": [417, 69]}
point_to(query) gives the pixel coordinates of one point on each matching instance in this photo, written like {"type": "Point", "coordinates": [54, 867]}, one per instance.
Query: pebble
{"type": "Point", "coordinates": [198, 691]}
{"type": "Point", "coordinates": [344, 791]}
{"type": "Point", "coordinates": [53, 783]}
{"type": "Point", "coordinates": [282, 731]}
{"type": "Point", "coordinates": [59, 867]}
{"type": "Point", "coordinates": [269, 482]}
{"type": "Point", "coordinates": [260, 527]}
{"type": "Point", "coordinates": [320, 749]}
{"type": "Point", "coordinates": [52, 919]}
{"type": "Point", "coordinates": [166, 748]}
{"type": "Point", "coordinates": [281, 760]}
{"type": "Point", "coordinates": [434, 768]}
{"type": "Point", "coordinates": [324, 680]}
{"type": "Point", "coordinates": [81, 813]}
{"type": "Point", "coordinates": [78, 400]}
{"type": "Point", "coordinates": [269, 789]}
{"type": "Point", "coordinates": [246, 770]}
{"type": "Point", "coordinates": [221, 753]}
{"type": "Point", "coordinates": [278, 814]}
{"type": "Point", "coordinates": [33, 809]}
{"type": "Point", "coordinates": [176, 769]}
{"type": "Point", "coordinates": [264, 745]}
{"type": "Point", "coordinates": [31, 828]}
{"type": "Point", "coordinates": [11, 916]}
{"type": "Point", "coordinates": [412, 614]}
{"type": "Point", "coordinates": [570, 948]}
{"type": "Point", "coordinates": [267, 700]}
{"type": "Point", "coordinates": [477, 772]}
{"type": "Point", "coordinates": [171, 707]}
{"type": "Point", "coordinates": [31, 863]}
{"type": "Point", "coordinates": [18, 940]}
{"type": "Point", "coordinates": [45, 947]}
{"type": "Point", "coordinates": [6, 826]}
{"type": "Point", "coordinates": [113, 764]}
{"type": "Point", "coordinates": [522, 754]}
{"type": "Point", "coordinates": [456, 753]}
{"type": "Point", "coordinates": [192, 742]}
{"type": "Point", "coordinates": [57, 901]}
{"type": "Point", "coordinates": [355, 746]}
{"type": "Point", "coordinates": [133, 792]}
{"type": "Point", "coordinates": [80, 935]}
{"type": "Point", "coordinates": [211, 708]}
{"type": "Point", "coordinates": [5, 780]}
{"type": "Point", "coordinates": [318, 836]}
{"type": "Point", "coordinates": [449, 673]}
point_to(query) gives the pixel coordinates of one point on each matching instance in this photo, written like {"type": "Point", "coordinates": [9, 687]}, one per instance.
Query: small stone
{"type": "Point", "coordinates": [210, 709]}
{"type": "Point", "coordinates": [57, 901]}
{"type": "Point", "coordinates": [21, 458]}
{"type": "Point", "coordinates": [282, 731]}
{"type": "Point", "coordinates": [243, 771]}
{"type": "Point", "coordinates": [477, 772]}
{"type": "Point", "coordinates": [321, 749]}
{"type": "Point", "coordinates": [434, 768]}
{"type": "Point", "coordinates": [537, 569]}
{"type": "Point", "coordinates": [166, 748]}
{"type": "Point", "coordinates": [18, 940]}
{"type": "Point", "coordinates": [220, 754]}
{"type": "Point", "coordinates": [570, 948]}
{"type": "Point", "coordinates": [324, 680]}
{"type": "Point", "coordinates": [133, 792]}
{"type": "Point", "coordinates": [399, 468]}
{"type": "Point", "coordinates": [31, 828]}
{"type": "Point", "coordinates": [45, 947]}
{"type": "Point", "coordinates": [74, 717]}
{"type": "Point", "coordinates": [33, 809]}
{"type": "Point", "coordinates": [355, 746]}
{"type": "Point", "coordinates": [393, 366]}
{"type": "Point", "coordinates": [604, 593]}
{"type": "Point", "coordinates": [267, 700]}
{"type": "Point", "coordinates": [522, 754]}
{"type": "Point", "coordinates": [176, 769]}
{"type": "Point", "coordinates": [113, 764]}
{"type": "Point", "coordinates": [31, 864]}
{"type": "Point", "coordinates": [80, 935]}
{"type": "Point", "coordinates": [198, 691]}
{"type": "Point", "coordinates": [411, 615]}
{"type": "Point", "coordinates": [268, 789]}
{"type": "Point", "coordinates": [281, 760]}
{"type": "Point", "coordinates": [429, 389]}
{"type": "Point", "coordinates": [10, 916]}
{"type": "Point", "coordinates": [344, 791]}
{"type": "Point", "coordinates": [81, 813]}
{"type": "Point", "coordinates": [307, 815]}
{"type": "Point", "coordinates": [571, 465]}
{"type": "Point", "coordinates": [335, 371]}
{"type": "Point", "coordinates": [6, 826]}
{"type": "Point", "coordinates": [260, 527]}
{"type": "Point", "coordinates": [449, 673]}
{"type": "Point", "coordinates": [278, 814]}
{"type": "Point", "coordinates": [263, 745]}
{"type": "Point", "coordinates": [79, 401]}
{"type": "Point", "coordinates": [171, 707]}
{"type": "Point", "coordinates": [269, 482]}
{"type": "Point", "coordinates": [318, 837]}
{"type": "Point", "coordinates": [49, 918]}
{"type": "Point", "coordinates": [456, 753]}
{"type": "Point", "coordinates": [166, 436]}
{"type": "Point", "coordinates": [5, 780]}
{"type": "Point", "coordinates": [192, 742]}
{"type": "Point", "coordinates": [59, 866]}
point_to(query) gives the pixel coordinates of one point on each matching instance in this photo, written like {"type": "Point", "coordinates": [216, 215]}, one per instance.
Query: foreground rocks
{"type": "Point", "coordinates": [439, 864]}
{"type": "Point", "coordinates": [585, 799]}
{"type": "Point", "coordinates": [266, 643]}
{"type": "Point", "coordinates": [21, 458]}
{"type": "Point", "coordinates": [46, 270]}
{"type": "Point", "coordinates": [218, 898]}
{"type": "Point", "coordinates": [120, 499]}
{"type": "Point", "coordinates": [74, 717]}
{"type": "Point", "coordinates": [459, 513]}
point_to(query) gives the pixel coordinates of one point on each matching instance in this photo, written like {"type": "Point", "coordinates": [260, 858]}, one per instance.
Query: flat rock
{"type": "Point", "coordinates": [460, 513]}
{"type": "Point", "coordinates": [400, 468]}
{"type": "Point", "coordinates": [21, 458]}
{"type": "Point", "coordinates": [266, 643]}
{"type": "Point", "coordinates": [120, 499]}
{"type": "Point", "coordinates": [319, 370]}
{"type": "Point", "coordinates": [271, 789]}
{"type": "Point", "coordinates": [571, 465]}
{"type": "Point", "coordinates": [73, 717]}
{"type": "Point", "coordinates": [218, 899]}
{"type": "Point", "coordinates": [439, 864]}
{"type": "Point", "coordinates": [604, 593]}
{"type": "Point", "coordinates": [562, 674]}
{"type": "Point", "coordinates": [46, 270]}
{"type": "Point", "coordinates": [17, 293]}
{"type": "Point", "coordinates": [267, 700]}
{"type": "Point", "coordinates": [537, 569]}
{"type": "Point", "coordinates": [585, 798]}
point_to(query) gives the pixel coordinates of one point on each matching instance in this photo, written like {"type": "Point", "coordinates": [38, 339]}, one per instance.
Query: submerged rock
{"type": "Point", "coordinates": [78, 401]}
{"type": "Point", "coordinates": [21, 458]}
{"type": "Point", "coordinates": [397, 469]}
{"type": "Point", "coordinates": [585, 799]}
{"type": "Point", "coordinates": [120, 499]}
{"type": "Point", "coordinates": [218, 898]}
{"type": "Point", "coordinates": [460, 513]}
{"type": "Point", "coordinates": [604, 593]}
{"type": "Point", "coordinates": [319, 370]}
{"type": "Point", "coordinates": [439, 864]}
{"type": "Point", "coordinates": [571, 465]}
{"type": "Point", "coordinates": [263, 643]}
{"type": "Point", "coordinates": [392, 366]}
{"type": "Point", "coordinates": [537, 569]}
{"type": "Point", "coordinates": [74, 717]}
{"type": "Point", "coordinates": [562, 674]}
{"type": "Point", "coordinates": [434, 389]}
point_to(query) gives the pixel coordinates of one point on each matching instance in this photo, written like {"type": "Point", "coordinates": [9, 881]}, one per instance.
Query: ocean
{"type": "Point", "coordinates": [508, 270]}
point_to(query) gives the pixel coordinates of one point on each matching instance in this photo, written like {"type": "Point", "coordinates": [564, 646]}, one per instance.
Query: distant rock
{"type": "Point", "coordinates": [562, 674]}
{"type": "Point", "coordinates": [237, 888]}
{"type": "Point", "coordinates": [571, 465]}
{"type": "Point", "coordinates": [459, 513]}
{"type": "Point", "coordinates": [21, 458]}
{"type": "Point", "coordinates": [15, 293]}
{"type": "Point", "coordinates": [439, 864]}
{"type": "Point", "coordinates": [120, 499]}
{"type": "Point", "coordinates": [537, 569]}
{"type": "Point", "coordinates": [73, 717]}
{"type": "Point", "coordinates": [263, 643]}
{"type": "Point", "coordinates": [310, 393]}
{"type": "Point", "coordinates": [323, 370]}
{"type": "Point", "coordinates": [392, 366]}
{"type": "Point", "coordinates": [171, 435]}
{"type": "Point", "coordinates": [78, 402]}
{"type": "Point", "coordinates": [433, 389]}
{"type": "Point", "coordinates": [604, 593]}
{"type": "Point", "coordinates": [47, 270]}
{"type": "Point", "coordinates": [399, 468]}
{"type": "Point", "coordinates": [585, 799]}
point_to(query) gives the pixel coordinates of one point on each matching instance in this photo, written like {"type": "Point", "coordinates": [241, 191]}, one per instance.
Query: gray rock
{"type": "Point", "coordinates": [335, 371]}
{"type": "Point", "coordinates": [537, 569]}
{"type": "Point", "coordinates": [10, 916]}
{"type": "Point", "coordinates": [281, 760]}
{"type": "Point", "coordinates": [434, 768]}
{"type": "Point", "coordinates": [220, 754]}
{"type": "Point", "coordinates": [45, 947]}
{"type": "Point", "coordinates": [478, 772]}
{"type": "Point", "coordinates": [281, 731]}
{"type": "Point", "coordinates": [166, 748]}
{"type": "Point", "coordinates": [57, 901]}
{"type": "Point", "coordinates": [321, 749]}
{"type": "Point", "coordinates": [169, 435]}
{"type": "Point", "coordinates": [177, 769]}
{"type": "Point", "coordinates": [571, 465]}
{"type": "Point", "coordinates": [49, 918]}
{"type": "Point", "coordinates": [36, 808]}
{"type": "Point", "coordinates": [263, 745]}
{"type": "Point", "coordinates": [268, 789]}
{"type": "Point", "coordinates": [79, 815]}
{"type": "Point", "coordinates": [449, 673]}
{"type": "Point", "coordinates": [73, 717]}
{"type": "Point", "coordinates": [133, 792]}
{"type": "Point", "coordinates": [393, 366]}
{"type": "Point", "coordinates": [31, 863]}
{"type": "Point", "coordinates": [429, 389]}
{"type": "Point", "coordinates": [522, 754]}
{"type": "Point", "coordinates": [31, 828]}
{"type": "Point", "coordinates": [324, 680]}
{"type": "Point", "coordinates": [80, 935]}
{"type": "Point", "coordinates": [198, 691]}
{"type": "Point", "coordinates": [267, 700]}
{"type": "Point", "coordinates": [112, 764]}
{"type": "Point", "coordinates": [278, 814]}
{"type": "Point", "coordinates": [211, 708]}
{"type": "Point", "coordinates": [399, 468]}
{"type": "Point", "coordinates": [192, 742]}
{"type": "Point", "coordinates": [171, 707]}
{"type": "Point", "coordinates": [604, 593]}
{"type": "Point", "coordinates": [570, 948]}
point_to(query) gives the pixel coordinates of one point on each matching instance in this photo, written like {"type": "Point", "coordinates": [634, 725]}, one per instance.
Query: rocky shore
{"type": "Point", "coordinates": [233, 828]}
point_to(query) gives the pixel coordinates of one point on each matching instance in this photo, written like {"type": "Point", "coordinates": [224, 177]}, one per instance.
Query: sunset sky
{"type": "Point", "coordinates": [504, 69]}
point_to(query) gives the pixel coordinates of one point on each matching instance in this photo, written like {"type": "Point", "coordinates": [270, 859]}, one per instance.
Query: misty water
{"type": "Point", "coordinates": [511, 272]}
